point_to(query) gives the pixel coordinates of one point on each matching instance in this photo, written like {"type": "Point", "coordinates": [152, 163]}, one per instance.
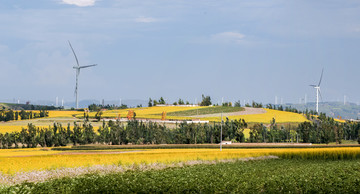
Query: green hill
{"type": "Point", "coordinates": [25, 106]}
{"type": "Point", "coordinates": [333, 109]}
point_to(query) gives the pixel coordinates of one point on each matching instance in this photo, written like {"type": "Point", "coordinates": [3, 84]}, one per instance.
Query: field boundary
{"type": "Point", "coordinates": [205, 146]}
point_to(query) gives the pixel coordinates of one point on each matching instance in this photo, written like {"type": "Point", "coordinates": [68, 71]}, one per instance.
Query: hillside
{"type": "Point", "coordinates": [251, 115]}
{"type": "Point", "coordinates": [25, 106]}
{"type": "Point", "coordinates": [333, 109]}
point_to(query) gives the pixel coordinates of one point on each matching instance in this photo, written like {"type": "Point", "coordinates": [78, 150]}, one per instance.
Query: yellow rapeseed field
{"type": "Point", "coordinates": [10, 162]}
{"type": "Point", "coordinates": [25, 152]}
{"type": "Point", "coordinates": [147, 112]}
{"type": "Point", "coordinates": [280, 117]}
{"type": "Point", "coordinates": [65, 114]}
{"type": "Point", "coordinates": [16, 128]}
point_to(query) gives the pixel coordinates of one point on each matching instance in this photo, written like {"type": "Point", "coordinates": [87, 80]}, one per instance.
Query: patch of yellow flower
{"type": "Point", "coordinates": [65, 114]}
{"type": "Point", "coordinates": [25, 152]}
{"type": "Point", "coordinates": [280, 117]}
{"type": "Point", "coordinates": [45, 160]}
{"type": "Point", "coordinates": [147, 112]}
{"type": "Point", "coordinates": [15, 128]}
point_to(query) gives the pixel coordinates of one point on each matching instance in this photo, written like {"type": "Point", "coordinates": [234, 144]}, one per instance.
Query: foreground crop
{"type": "Point", "coordinates": [25, 160]}
{"type": "Point", "coordinates": [267, 176]}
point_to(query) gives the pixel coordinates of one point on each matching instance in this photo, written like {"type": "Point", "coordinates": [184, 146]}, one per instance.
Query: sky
{"type": "Point", "coordinates": [239, 50]}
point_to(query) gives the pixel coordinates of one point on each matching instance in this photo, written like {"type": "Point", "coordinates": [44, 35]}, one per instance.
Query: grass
{"type": "Point", "coordinates": [204, 111]}
{"type": "Point", "coordinates": [267, 176]}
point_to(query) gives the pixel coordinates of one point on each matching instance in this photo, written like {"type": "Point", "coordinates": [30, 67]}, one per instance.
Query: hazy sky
{"type": "Point", "coordinates": [253, 50]}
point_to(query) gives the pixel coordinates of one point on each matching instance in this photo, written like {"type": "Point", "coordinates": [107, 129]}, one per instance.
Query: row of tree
{"type": "Point", "coordinates": [323, 130]}
{"type": "Point", "coordinates": [10, 115]}
{"type": "Point", "coordinates": [116, 133]}
{"type": "Point", "coordinates": [96, 107]}
{"type": "Point", "coordinates": [206, 101]}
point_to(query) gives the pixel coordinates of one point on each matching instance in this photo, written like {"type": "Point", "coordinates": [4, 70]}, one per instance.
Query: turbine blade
{"type": "Point", "coordinates": [312, 85]}
{"type": "Point", "coordinates": [321, 76]}
{"type": "Point", "coordinates": [77, 61]}
{"type": "Point", "coordinates": [85, 66]}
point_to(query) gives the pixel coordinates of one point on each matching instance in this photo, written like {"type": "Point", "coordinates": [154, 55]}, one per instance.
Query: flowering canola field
{"type": "Point", "coordinates": [64, 114]}
{"type": "Point", "coordinates": [155, 113]}
{"type": "Point", "coordinates": [147, 112]}
{"type": "Point", "coordinates": [280, 117]}
{"type": "Point", "coordinates": [39, 159]}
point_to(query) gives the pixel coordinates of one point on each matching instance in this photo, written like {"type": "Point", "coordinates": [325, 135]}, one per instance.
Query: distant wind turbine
{"type": "Point", "coordinates": [318, 93]}
{"type": "Point", "coordinates": [78, 67]}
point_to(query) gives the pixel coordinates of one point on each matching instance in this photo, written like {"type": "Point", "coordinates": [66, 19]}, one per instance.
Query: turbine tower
{"type": "Point", "coordinates": [318, 93]}
{"type": "Point", "coordinates": [78, 67]}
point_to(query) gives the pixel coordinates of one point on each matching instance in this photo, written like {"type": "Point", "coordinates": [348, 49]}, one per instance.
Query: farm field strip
{"type": "Point", "coordinates": [260, 176]}
{"type": "Point", "coordinates": [47, 160]}
{"type": "Point", "coordinates": [66, 117]}
{"type": "Point", "coordinates": [280, 117]}
{"type": "Point", "coordinates": [44, 175]}
{"type": "Point", "coordinates": [144, 112]}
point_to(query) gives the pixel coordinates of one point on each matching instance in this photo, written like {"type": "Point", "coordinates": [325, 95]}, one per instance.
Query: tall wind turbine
{"type": "Point", "coordinates": [78, 67]}
{"type": "Point", "coordinates": [318, 93]}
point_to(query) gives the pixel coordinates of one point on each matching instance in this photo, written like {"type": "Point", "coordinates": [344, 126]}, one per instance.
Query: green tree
{"type": "Point", "coordinates": [162, 101]}
{"type": "Point", "coordinates": [206, 101]}
{"type": "Point", "coordinates": [150, 103]}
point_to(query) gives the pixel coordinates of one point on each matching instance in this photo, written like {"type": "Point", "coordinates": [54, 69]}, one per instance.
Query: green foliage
{"type": "Point", "coordinates": [180, 101]}
{"type": "Point", "coordinates": [206, 101]}
{"type": "Point", "coordinates": [237, 104]}
{"type": "Point", "coordinates": [162, 101]}
{"type": "Point", "coordinates": [97, 107]}
{"type": "Point", "coordinates": [150, 103]}
{"type": "Point", "coordinates": [10, 115]}
{"type": "Point", "coordinates": [207, 110]}
{"type": "Point", "coordinates": [256, 105]}
{"type": "Point", "coordinates": [98, 114]}
{"type": "Point", "coordinates": [267, 176]}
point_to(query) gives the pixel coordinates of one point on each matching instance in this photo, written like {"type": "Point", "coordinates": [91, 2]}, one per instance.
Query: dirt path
{"type": "Point", "coordinates": [247, 111]}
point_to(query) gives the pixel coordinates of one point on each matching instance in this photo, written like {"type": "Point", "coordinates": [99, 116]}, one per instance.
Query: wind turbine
{"type": "Point", "coordinates": [318, 93]}
{"type": "Point", "coordinates": [78, 67]}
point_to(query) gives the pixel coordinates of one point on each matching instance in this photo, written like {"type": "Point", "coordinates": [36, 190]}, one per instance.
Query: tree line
{"type": "Point", "coordinates": [10, 115]}
{"type": "Point", "coordinates": [323, 130]}
{"type": "Point", "coordinates": [117, 133]}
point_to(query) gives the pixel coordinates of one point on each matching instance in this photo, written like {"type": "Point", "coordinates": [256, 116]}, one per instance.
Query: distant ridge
{"type": "Point", "coordinates": [82, 103]}
{"type": "Point", "coordinates": [25, 106]}
{"type": "Point", "coordinates": [332, 109]}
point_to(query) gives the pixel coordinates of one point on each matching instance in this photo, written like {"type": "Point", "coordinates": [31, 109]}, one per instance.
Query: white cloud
{"type": "Point", "coordinates": [145, 19]}
{"type": "Point", "coordinates": [228, 37]}
{"type": "Point", "coordinates": [80, 3]}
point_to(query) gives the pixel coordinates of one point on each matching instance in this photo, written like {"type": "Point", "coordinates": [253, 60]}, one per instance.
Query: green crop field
{"type": "Point", "coordinates": [204, 111]}
{"type": "Point", "coordinates": [266, 176]}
